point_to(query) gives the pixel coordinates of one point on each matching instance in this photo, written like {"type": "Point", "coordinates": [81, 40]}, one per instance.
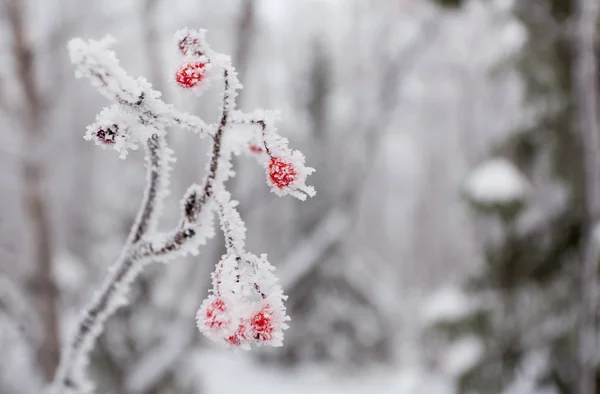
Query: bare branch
{"type": "Point", "coordinates": [158, 160]}
{"type": "Point", "coordinates": [126, 269]}
{"type": "Point", "coordinates": [303, 259]}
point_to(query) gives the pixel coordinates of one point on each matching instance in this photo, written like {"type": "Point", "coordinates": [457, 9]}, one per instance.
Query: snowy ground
{"type": "Point", "coordinates": [228, 372]}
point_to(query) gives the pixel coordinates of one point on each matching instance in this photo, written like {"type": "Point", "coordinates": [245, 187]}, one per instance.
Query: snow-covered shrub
{"type": "Point", "coordinates": [246, 303]}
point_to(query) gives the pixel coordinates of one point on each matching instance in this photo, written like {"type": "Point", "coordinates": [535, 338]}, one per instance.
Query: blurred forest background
{"type": "Point", "coordinates": [440, 255]}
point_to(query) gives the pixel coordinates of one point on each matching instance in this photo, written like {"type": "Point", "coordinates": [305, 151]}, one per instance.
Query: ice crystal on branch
{"type": "Point", "coordinates": [246, 304]}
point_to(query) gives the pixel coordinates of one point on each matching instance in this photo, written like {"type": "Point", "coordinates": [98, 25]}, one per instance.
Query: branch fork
{"type": "Point", "coordinates": [246, 304]}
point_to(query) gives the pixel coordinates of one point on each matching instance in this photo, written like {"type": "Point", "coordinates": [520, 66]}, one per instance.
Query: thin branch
{"type": "Point", "coordinates": [122, 274]}
{"type": "Point", "coordinates": [328, 233]}
{"type": "Point", "coordinates": [102, 68]}
{"type": "Point", "coordinates": [157, 162]}
{"type": "Point", "coordinates": [131, 262]}
{"type": "Point", "coordinates": [195, 203]}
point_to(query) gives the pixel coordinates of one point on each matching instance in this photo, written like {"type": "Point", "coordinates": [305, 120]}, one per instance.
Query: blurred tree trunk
{"type": "Point", "coordinates": [245, 31]}
{"type": "Point", "coordinates": [151, 41]}
{"type": "Point", "coordinates": [586, 95]}
{"type": "Point", "coordinates": [41, 283]}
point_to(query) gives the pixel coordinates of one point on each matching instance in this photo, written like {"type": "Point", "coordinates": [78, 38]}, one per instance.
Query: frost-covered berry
{"type": "Point", "coordinates": [107, 135]}
{"type": "Point", "coordinates": [254, 148]}
{"type": "Point", "coordinates": [239, 337]}
{"type": "Point", "coordinates": [215, 315]}
{"type": "Point", "coordinates": [190, 75]}
{"type": "Point", "coordinates": [262, 324]}
{"type": "Point", "coordinates": [281, 173]}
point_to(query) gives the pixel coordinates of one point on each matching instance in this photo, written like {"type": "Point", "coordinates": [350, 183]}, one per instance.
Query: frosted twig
{"type": "Point", "coordinates": [197, 198]}
{"type": "Point", "coordinates": [69, 376]}
{"type": "Point", "coordinates": [94, 61]}
{"type": "Point", "coordinates": [139, 116]}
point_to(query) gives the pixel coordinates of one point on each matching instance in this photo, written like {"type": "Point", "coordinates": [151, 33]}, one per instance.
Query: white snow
{"type": "Point", "coordinates": [497, 181]}
{"type": "Point", "coordinates": [221, 372]}
{"type": "Point", "coordinates": [462, 355]}
{"type": "Point", "coordinates": [448, 304]}
{"type": "Point", "coordinates": [596, 233]}
{"type": "Point", "coordinates": [69, 272]}
{"type": "Point", "coordinates": [531, 369]}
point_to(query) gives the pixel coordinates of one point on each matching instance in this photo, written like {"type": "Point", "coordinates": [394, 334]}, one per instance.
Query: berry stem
{"type": "Point", "coordinates": [184, 233]}
{"type": "Point", "coordinates": [263, 126]}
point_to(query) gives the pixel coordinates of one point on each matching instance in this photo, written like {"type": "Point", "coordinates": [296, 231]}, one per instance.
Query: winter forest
{"type": "Point", "coordinates": [292, 196]}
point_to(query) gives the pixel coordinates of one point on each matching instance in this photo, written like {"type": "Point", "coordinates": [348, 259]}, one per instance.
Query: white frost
{"type": "Point", "coordinates": [463, 355]}
{"type": "Point", "coordinates": [449, 304]}
{"type": "Point", "coordinates": [497, 181]}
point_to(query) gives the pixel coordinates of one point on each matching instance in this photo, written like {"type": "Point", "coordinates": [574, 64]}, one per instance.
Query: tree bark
{"type": "Point", "coordinates": [41, 283]}
{"type": "Point", "coordinates": [586, 95]}
{"type": "Point", "coordinates": [151, 31]}
{"type": "Point", "coordinates": [244, 39]}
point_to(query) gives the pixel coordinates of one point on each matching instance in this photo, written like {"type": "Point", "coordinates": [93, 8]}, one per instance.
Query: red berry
{"type": "Point", "coordinates": [239, 336]}
{"type": "Point", "coordinates": [255, 148]}
{"type": "Point", "coordinates": [190, 75]}
{"type": "Point", "coordinates": [215, 314]}
{"type": "Point", "coordinates": [106, 136]}
{"type": "Point", "coordinates": [262, 324]}
{"type": "Point", "coordinates": [282, 173]}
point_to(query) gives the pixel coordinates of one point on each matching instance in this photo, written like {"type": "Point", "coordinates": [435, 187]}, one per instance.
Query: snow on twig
{"type": "Point", "coordinates": [246, 305]}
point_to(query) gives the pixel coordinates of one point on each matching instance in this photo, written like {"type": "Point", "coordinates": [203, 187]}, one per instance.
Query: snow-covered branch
{"type": "Point", "coordinates": [96, 62]}
{"type": "Point", "coordinates": [246, 304]}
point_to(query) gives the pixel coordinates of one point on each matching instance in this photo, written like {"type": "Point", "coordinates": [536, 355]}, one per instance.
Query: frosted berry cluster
{"type": "Point", "coordinates": [196, 69]}
{"type": "Point", "coordinates": [245, 305]}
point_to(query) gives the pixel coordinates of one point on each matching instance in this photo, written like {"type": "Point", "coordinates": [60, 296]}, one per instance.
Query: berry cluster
{"type": "Point", "coordinates": [215, 316]}
{"type": "Point", "coordinates": [240, 312]}
{"type": "Point", "coordinates": [196, 61]}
